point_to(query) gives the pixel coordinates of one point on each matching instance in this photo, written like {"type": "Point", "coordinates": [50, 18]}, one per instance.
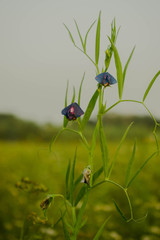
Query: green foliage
{"type": "Point", "coordinates": [130, 163]}
{"type": "Point", "coordinates": [97, 43]}
{"type": "Point", "coordinates": [150, 85]}
{"type": "Point", "coordinates": [89, 109]}
{"type": "Point", "coordinates": [118, 68]}
{"type": "Point", "coordinates": [98, 234]}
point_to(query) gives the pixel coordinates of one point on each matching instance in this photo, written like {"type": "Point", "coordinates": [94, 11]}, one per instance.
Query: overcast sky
{"type": "Point", "coordinates": [37, 57]}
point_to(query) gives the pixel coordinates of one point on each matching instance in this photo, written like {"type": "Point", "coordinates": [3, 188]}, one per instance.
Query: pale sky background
{"type": "Point", "coordinates": [37, 57]}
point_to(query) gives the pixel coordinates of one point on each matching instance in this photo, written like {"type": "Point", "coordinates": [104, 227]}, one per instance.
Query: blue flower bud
{"type": "Point", "coordinates": [73, 111]}
{"type": "Point", "coordinates": [106, 79]}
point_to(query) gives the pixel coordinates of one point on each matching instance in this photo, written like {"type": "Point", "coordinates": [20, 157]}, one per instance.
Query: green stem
{"type": "Point", "coordinates": [130, 205]}
{"type": "Point", "coordinates": [88, 58]}
{"type": "Point", "coordinates": [124, 190]}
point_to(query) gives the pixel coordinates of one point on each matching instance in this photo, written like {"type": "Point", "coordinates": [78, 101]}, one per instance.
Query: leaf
{"type": "Point", "coordinates": [74, 94]}
{"type": "Point", "coordinates": [104, 149]}
{"type": "Point", "coordinates": [72, 177]}
{"type": "Point", "coordinates": [126, 66]}
{"type": "Point", "coordinates": [80, 89]}
{"type": "Point", "coordinates": [79, 34]}
{"type": "Point", "coordinates": [140, 169]}
{"type": "Point", "coordinates": [118, 68]}
{"type": "Point", "coordinates": [65, 120]}
{"type": "Point", "coordinates": [80, 214]}
{"type": "Point", "coordinates": [150, 85]}
{"type": "Point", "coordinates": [67, 180]}
{"type": "Point", "coordinates": [85, 40]}
{"type": "Point", "coordinates": [70, 34]}
{"type": "Point", "coordinates": [98, 234]}
{"type": "Point", "coordinates": [78, 180]}
{"type": "Point", "coordinates": [66, 233]}
{"type": "Point", "coordinates": [119, 211]}
{"type": "Point", "coordinates": [130, 163]}
{"type": "Point", "coordinates": [97, 43]}
{"type": "Point", "coordinates": [89, 109]}
{"type": "Point", "coordinates": [94, 137]}
{"type": "Point", "coordinates": [119, 147]}
{"type": "Point", "coordinates": [97, 174]}
{"type": "Point", "coordinates": [81, 193]}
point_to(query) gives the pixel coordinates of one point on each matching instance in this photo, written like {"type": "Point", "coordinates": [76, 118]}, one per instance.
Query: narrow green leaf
{"type": "Point", "coordinates": [97, 174]}
{"type": "Point", "coordinates": [97, 43]}
{"type": "Point", "coordinates": [54, 138]}
{"type": "Point", "coordinates": [85, 40]}
{"type": "Point", "coordinates": [72, 178]}
{"type": "Point", "coordinates": [70, 34]}
{"type": "Point", "coordinates": [140, 169]}
{"type": "Point", "coordinates": [119, 211]}
{"type": "Point", "coordinates": [94, 137]}
{"type": "Point", "coordinates": [118, 149]}
{"type": "Point", "coordinates": [66, 233]}
{"type": "Point", "coordinates": [118, 68]}
{"type": "Point", "coordinates": [126, 66]}
{"type": "Point", "coordinates": [65, 120]}
{"type": "Point", "coordinates": [67, 180]}
{"type": "Point", "coordinates": [81, 194]}
{"type": "Point", "coordinates": [104, 149]}
{"type": "Point", "coordinates": [80, 214]}
{"type": "Point", "coordinates": [98, 235]}
{"type": "Point", "coordinates": [74, 94]}
{"type": "Point", "coordinates": [80, 89]}
{"type": "Point", "coordinates": [79, 34]}
{"type": "Point", "coordinates": [150, 85]}
{"type": "Point", "coordinates": [78, 180]}
{"type": "Point", "coordinates": [130, 163]}
{"type": "Point", "coordinates": [89, 109]}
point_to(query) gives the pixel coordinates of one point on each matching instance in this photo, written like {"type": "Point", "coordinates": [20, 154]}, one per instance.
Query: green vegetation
{"type": "Point", "coordinates": [28, 169]}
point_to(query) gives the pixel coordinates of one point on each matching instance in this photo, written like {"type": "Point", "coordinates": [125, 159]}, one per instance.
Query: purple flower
{"type": "Point", "coordinates": [106, 79]}
{"type": "Point", "coordinates": [73, 111]}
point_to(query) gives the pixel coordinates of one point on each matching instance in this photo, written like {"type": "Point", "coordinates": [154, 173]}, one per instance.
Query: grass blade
{"type": "Point", "coordinates": [79, 34]}
{"type": "Point", "coordinates": [85, 40]}
{"type": "Point", "coordinates": [97, 43]}
{"type": "Point", "coordinates": [126, 66]}
{"type": "Point", "coordinates": [67, 180]}
{"type": "Point", "coordinates": [104, 149]}
{"type": "Point", "coordinates": [89, 109]}
{"type": "Point", "coordinates": [80, 89]}
{"type": "Point", "coordinates": [72, 178]}
{"type": "Point", "coordinates": [130, 163]}
{"type": "Point", "coordinates": [118, 149]}
{"type": "Point", "coordinates": [70, 34]}
{"type": "Point", "coordinates": [140, 169]}
{"type": "Point", "coordinates": [98, 234]}
{"type": "Point", "coordinates": [119, 211]}
{"type": "Point", "coordinates": [118, 68]}
{"type": "Point", "coordinates": [150, 85]}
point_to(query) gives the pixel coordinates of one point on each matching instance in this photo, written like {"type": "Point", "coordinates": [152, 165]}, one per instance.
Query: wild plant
{"type": "Point", "coordinates": [72, 217]}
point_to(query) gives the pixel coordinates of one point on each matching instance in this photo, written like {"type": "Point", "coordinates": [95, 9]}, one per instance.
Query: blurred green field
{"type": "Point", "coordinates": [20, 213]}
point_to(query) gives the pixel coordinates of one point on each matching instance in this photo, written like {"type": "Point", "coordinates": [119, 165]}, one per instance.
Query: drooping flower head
{"type": "Point", "coordinates": [86, 175]}
{"type": "Point", "coordinates": [106, 79]}
{"type": "Point", "coordinates": [73, 111]}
